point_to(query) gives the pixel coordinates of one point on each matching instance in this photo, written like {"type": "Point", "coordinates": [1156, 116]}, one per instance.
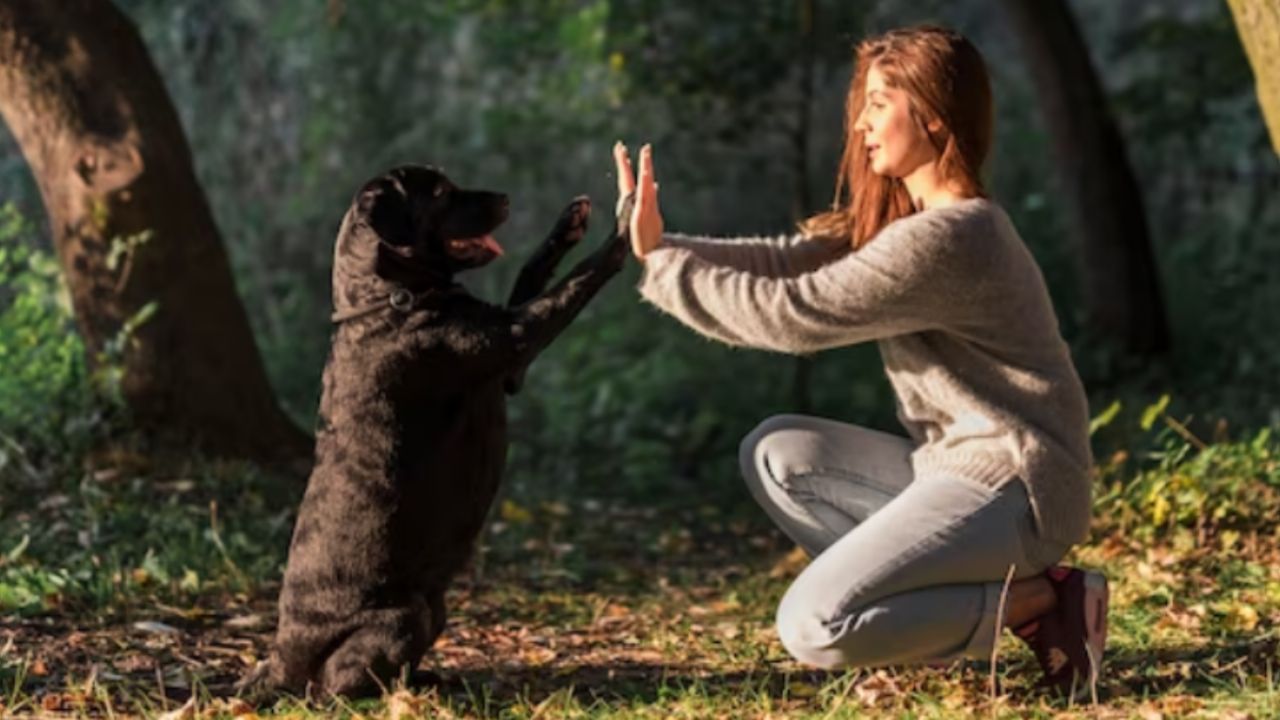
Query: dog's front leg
{"type": "Point", "coordinates": [538, 322]}
{"type": "Point", "coordinates": [569, 229]}
{"type": "Point", "coordinates": [491, 341]}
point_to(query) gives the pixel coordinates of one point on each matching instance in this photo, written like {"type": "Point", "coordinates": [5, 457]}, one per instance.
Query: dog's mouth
{"type": "Point", "coordinates": [473, 247]}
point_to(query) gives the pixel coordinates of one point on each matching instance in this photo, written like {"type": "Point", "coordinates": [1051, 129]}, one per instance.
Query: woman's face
{"type": "Point", "coordinates": [895, 140]}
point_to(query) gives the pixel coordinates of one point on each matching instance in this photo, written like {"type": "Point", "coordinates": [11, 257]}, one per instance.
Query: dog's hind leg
{"type": "Point", "coordinates": [569, 229]}
{"type": "Point", "coordinates": [371, 657]}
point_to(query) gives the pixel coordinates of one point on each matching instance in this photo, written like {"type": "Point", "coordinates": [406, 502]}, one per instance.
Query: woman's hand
{"type": "Point", "coordinates": [646, 219]}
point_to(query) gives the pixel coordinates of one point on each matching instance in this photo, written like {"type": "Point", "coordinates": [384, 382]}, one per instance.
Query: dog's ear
{"type": "Point", "coordinates": [385, 208]}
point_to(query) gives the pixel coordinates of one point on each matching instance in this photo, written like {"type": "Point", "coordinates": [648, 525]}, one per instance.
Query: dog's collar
{"type": "Point", "coordinates": [400, 300]}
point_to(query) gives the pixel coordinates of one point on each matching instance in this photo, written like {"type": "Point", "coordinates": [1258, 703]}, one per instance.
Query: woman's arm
{"type": "Point", "coordinates": [910, 278]}
{"type": "Point", "coordinates": [777, 256]}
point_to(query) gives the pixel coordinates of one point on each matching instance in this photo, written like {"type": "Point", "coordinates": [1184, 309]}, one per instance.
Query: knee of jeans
{"type": "Point", "coordinates": [806, 637]}
{"type": "Point", "coordinates": [760, 446]}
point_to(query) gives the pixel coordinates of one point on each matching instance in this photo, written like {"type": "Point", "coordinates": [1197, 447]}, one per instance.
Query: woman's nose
{"type": "Point", "coordinates": [859, 123]}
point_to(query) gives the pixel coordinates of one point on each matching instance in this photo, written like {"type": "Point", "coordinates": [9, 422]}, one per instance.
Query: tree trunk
{"type": "Point", "coordinates": [1120, 281]}
{"type": "Point", "coordinates": [1258, 22]}
{"type": "Point", "coordinates": [131, 226]}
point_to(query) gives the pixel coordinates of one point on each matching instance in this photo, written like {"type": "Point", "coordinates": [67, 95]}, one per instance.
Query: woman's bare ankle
{"type": "Point", "coordinates": [1028, 599]}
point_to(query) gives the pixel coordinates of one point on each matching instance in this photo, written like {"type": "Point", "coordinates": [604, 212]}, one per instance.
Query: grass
{"type": "Point", "coordinates": [130, 589]}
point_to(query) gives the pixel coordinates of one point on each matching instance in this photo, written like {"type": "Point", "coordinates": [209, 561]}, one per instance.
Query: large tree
{"type": "Point", "coordinates": [1258, 22]}
{"type": "Point", "coordinates": [132, 228]}
{"type": "Point", "coordinates": [1121, 287]}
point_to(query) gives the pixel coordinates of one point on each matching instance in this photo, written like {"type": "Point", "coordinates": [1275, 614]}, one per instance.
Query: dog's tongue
{"type": "Point", "coordinates": [487, 242]}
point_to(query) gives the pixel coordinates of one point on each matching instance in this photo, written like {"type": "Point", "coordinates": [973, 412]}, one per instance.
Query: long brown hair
{"type": "Point", "coordinates": [945, 78]}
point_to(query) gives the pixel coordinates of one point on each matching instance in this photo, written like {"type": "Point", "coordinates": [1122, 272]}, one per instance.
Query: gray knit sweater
{"type": "Point", "coordinates": [984, 382]}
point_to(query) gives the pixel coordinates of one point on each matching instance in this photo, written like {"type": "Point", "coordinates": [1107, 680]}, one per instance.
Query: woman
{"type": "Point", "coordinates": [912, 539]}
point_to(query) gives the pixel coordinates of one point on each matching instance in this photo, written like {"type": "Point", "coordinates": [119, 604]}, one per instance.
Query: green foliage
{"type": "Point", "coordinates": [697, 57]}
{"type": "Point", "coordinates": [48, 398]}
{"type": "Point", "coordinates": [1213, 489]}
{"type": "Point", "coordinates": [115, 538]}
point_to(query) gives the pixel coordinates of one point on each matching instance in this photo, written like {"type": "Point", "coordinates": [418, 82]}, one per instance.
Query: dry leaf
{"type": "Point", "coordinates": [403, 704]}
{"type": "Point", "coordinates": [877, 688]}
{"type": "Point", "coordinates": [158, 628]}
{"type": "Point", "coordinates": [238, 708]}
{"type": "Point", "coordinates": [186, 712]}
{"type": "Point", "coordinates": [802, 690]}
{"type": "Point", "coordinates": [55, 702]}
{"type": "Point", "coordinates": [537, 656]}
{"type": "Point", "coordinates": [790, 564]}
{"type": "Point", "coordinates": [251, 621]}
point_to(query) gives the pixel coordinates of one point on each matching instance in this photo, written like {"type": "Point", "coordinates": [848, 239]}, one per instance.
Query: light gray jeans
{"type": "Point", "coordinates": [906, 570]}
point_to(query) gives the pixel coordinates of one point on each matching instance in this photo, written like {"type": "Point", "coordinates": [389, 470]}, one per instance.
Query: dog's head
{"type": "Point", "coordinates": [424, 222]}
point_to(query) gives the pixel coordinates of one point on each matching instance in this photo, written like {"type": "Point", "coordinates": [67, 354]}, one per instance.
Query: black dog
{"type": "Point", "coordinates": [411, 437]}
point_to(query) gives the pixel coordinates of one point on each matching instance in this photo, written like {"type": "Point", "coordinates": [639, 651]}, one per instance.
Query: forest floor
{"type": "Point", "coordinates": [137, 591]}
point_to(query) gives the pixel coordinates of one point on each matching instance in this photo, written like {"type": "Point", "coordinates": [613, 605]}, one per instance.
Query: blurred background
{"type": "Point", "coordinates": [1130, 151]}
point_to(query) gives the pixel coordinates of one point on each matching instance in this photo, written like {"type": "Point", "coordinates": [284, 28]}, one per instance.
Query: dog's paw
{"type": "Point", "coordinates": [255, 687]}
{"type": "Point", "coordinates": [572, 225]}
{"type": "Point", "coordinates": [626, 206]}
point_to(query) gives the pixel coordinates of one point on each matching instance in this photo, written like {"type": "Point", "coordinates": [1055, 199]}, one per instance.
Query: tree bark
{"type": "Point", "coordinates": [131, 226]}
{"type": "Point", "coordinates": [1120, 281]}
{"type": "Point", "coordinates": [1258, 22]}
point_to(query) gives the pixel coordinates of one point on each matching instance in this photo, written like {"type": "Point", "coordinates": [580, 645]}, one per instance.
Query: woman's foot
{"type": "Point", "coordinates": [1068, 641]}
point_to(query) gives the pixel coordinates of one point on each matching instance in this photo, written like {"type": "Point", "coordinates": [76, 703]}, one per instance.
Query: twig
{"type": "Point", "coordinates": [1095, 669]}
{"type": "Point", "coordinates": [995, 644]}
{"type": "Point", "coordinates": [104, 697]}
{"type": "Point", "coordinates": [377, 681]}
{"type": "Point", "coordinates": [217, 541]}
{"type": "Point", "coordinates": [1185, 433]}
{"type": "Point", "coordinates": [843, 695]}
{"type": "Point", "coordinates": [164, 696]}
{"type": "Point", "coordinates": [27, 467]}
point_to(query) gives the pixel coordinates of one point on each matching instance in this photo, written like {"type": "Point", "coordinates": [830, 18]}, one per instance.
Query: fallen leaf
{"type": "Point", "coordinates": [186, 712]}
{"type": "Point", "coordinates": [513, 513]}
{"type": "Point", "coordinates": [158, 628]}
{"type": "Point", "coordinates": [245, 622]}
{"type": "Point", "coordinates": [55, 702]}
{"type": "Point", "coordinates": [877, 688]}
{"type": "Point", "coordinates": [802, 689]}
{"type": "Point", "coordinates": [403, 704]}
{"type": "Point", "coordinates": [537, 656]}
{"type": "Point", "coordinates": [790, 564]}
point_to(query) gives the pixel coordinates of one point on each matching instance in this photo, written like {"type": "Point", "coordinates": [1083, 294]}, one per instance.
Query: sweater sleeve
{"type": "Point", "coordinates": [910, 278]}
{"type": "Point", "coordinates": [772, 256]}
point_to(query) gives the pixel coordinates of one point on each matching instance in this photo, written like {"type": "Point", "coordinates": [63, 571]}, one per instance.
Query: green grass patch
{"type": "Point", "coordinates": [124, 579]}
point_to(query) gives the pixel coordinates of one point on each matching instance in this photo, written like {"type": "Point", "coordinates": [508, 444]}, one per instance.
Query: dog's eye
{"type": "Point", "coordinates": [438, 191]}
